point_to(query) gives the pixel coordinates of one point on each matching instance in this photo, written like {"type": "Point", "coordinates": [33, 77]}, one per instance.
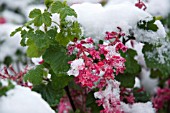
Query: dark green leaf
{"type": "Point", "coordinates": [127, 80]}
{"type": "Point", "coordinates": [154, 62]}
{"type": "Point", "coordinates": [49, 93]}
{"type": "Point", "coordinates": [48, 3]}
{"type": "Point", "coordinates": [67, 11]}
{"type": "Point", "coordinates": [35, 13]}
{"type": "Point", "coordinates": [4, 89]}
{"type": "Point", "coordinates": [33, 50]}
{"type": "Point", "coordinates": [91, 103]}
{"type": "Point", "coordinates": [35, 76]}
{"type": "Point", "coordinates": [46, 18]}
{"type": "Point", "coordinates": [148, 25]}
{"type": "Point", "coordinates": [67, 34]}
{"type": "Point", "coordinates": [63, 10]}
{"type": "Point", "coordinates": [60, 81]}
{"type": "Point", "coordinates": [58, 59]}
{"type": "Point", "coordinates": [23, 36]}
{"type": "Point", "coordinates": [16, 30]}
{"type": "Point", "coordinates": [38, 21]}
{"type": "Point", "coordinates": [132, 66]}
{"type": "Point", "coordinates": [141, 96]}
{"type": "Point", "coordinates": [40, 39]}
{"type": "Point", "coordinates": [56, 7]}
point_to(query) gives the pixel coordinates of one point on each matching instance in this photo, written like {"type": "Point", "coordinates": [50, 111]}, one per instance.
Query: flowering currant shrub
{"type": "Point", "coordinates": [96, 58]}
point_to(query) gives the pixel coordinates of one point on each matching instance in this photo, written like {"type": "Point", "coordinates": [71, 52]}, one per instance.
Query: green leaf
{"type": "Point", "coordinates": [91, 103]}
{"type": "Point", "coordinates": [49, 93]}
{"type": "Point", "coordinates": [38, 21]}
{"type": "Point", "coordinates": [154, 60]}
{"type": "Point", "coordinates": [23, 36]}
{"type": "Point", "coordinates": [8, 60]}
{"type": "Point", "coordinates": [59, 81]}
{"type": "Point", "coordinates": [40, 39]}
{"type": "Point", "coordinates": [46, 18]}
{"type": "Point", "coordinates": [155, 73]}
{"type": "Point", "coordinates": [16, 30]}
{"type": "Point", "coordinates": [35, 76]}
{"type": "Point", "coordinates": [33, 50]}
{"type": "Point", "coordinates": [52, 34]}
{"type": "Point", "coordinates": [35, 13]}
{"type": "Point", "coordinates": [141, 96]}
{"type": "Point", "coordinates": [67, 11]}
{"type": "Point", "coordinates": [148, 25]}
{"type": "Point", "coordinates": [56, 7]}
{"type": "Point", "coordinates": [48, 2]}
{"type": "Point", "coordinates": [67, 34]}
{"type": "Point", "coordinates": [63, 10]}
{"type": "Point", "coordinates": [132, 66]}
{"type": "Point", "coordinates": [43, 18]}
{"type": "Point", "coordinates": [4, 89]}
{"type": "Point", "coordinates": [58, 59]}
{"type": "Point", "coordinates": [132, 69]}
{"type": "Point", "coordinates": [127, 80]}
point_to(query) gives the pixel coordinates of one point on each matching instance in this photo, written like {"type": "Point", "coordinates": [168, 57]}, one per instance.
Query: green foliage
{"type": "Point", "coordinates": [91, 103]}
{"type": "Point", "coordinates": [141, 96]}
{"type": "Point", "coordinates": [4, 89]}
{"type": "Point", "coordinates": [69, 30]}
{"type": "Point", "coordinates": [34, 13]}
{"type": "Point", "coordinates": [127, 80]}
{"type": "Point", "coordinates": [50, 43]}
{"type": "Point", "coordinates": [48, 3]}
{"type": "Point", "coordinates": [35, 76]}
{"type": "Point", "coordinates": [132, 66]}
{"type": "Point", "coordinates": [49, 93]}
{"type": "Point", "coordinates": [148, 25]}
{"type": "Point", "coordinates": [58, 59]}
{"type": "Point", "coordinates": [40, 18]}
{"type": "Point", "coordinates": [16, 30]}
{"type": "Point", "coordinates": [62, 9]}
{"type": "Point", "coordinates": [153, 62]}
{"type": "Point", "coordinates": [132, 69]}
{"type": "Point", "coordinates": [8, 60]}
{"type": "Point", "coordinates": [60, 81]}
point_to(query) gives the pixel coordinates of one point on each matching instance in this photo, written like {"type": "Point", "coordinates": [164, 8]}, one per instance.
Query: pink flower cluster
{"type": "Point", "coordinates": [110, 98]}
{"type": "Point", "coordinates": [127, 95]}
{"type": "Point", "coordinates": [96, 65]}
{"type": "Point", "coordinates": [64, 105]}
{"type": "Point", "coordinates": [11, 74]}
{"type": "Point", "coordinates": [163, 95]}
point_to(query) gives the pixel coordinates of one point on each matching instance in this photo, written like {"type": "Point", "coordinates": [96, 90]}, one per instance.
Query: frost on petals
{"type": "Point", "coordinates": [109, 98]}
{"type": "Point", "coordinates": [96, 63]}
{"type": "Point", "coordinates": [76, 65]}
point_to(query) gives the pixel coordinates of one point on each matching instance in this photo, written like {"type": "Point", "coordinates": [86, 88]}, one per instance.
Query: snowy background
{"type": "Point", "coordinates": [122, 13]}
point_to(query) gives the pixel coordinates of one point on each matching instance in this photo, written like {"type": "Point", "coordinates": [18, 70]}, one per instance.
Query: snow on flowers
{"type": "Point", "coordinates": [96, 66]}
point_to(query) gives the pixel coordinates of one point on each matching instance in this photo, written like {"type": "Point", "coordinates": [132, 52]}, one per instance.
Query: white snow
{"type": "Point", "coordinates": [12, 17]}
{"type": "Point", "coordinates": [138, 108]}
{"type": "Point", "coordinates": [112, 89]}
{"type": "Point", "coordinates": [76, 65]}
{"type": "Point", "coordinates": [154, 7]}
{"type": "Point", "coordinates": [70, 2]}
{"type": "Point", "coordinates": [37, 61]}
{"type": "Point", "coordinates": [137, 82]}
{"type": "Point", "coordinates": [149, 84]}
{"type": "Point", "coordinates": [14, 4]}
{"type": "Point", "coordinates": [11, 44]}
{"type": "Point", "coordinates": [23, 100]}
{"type": "Point", "coordinates": [96, 20]}
{"type": "Point", "coordinates": [158, 7]}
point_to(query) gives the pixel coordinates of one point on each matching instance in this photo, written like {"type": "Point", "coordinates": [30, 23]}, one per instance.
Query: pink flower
{"type": "Point", "coordinates": [163, 95]}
